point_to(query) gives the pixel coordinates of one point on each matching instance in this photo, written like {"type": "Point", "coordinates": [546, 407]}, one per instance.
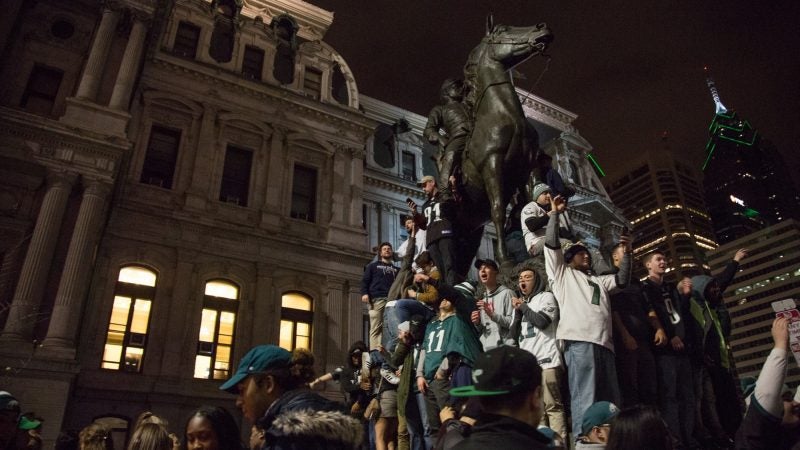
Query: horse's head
{"type": "Point", "coordinates": [510, 46]}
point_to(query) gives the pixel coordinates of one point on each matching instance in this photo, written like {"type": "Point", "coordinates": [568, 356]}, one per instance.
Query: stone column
{"type": "Point", "coordinates": [24, 312]}
{"type": "Point", "coordinates": [77, 268]}
{"type": "Point", "coordinates": [129, 68]}
{"type": "Point", "coordinates": [264, 311]}
{"type": "Point", "coordinates": [93, 72]}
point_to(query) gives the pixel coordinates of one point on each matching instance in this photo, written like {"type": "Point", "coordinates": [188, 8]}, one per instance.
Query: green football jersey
{"type": "Point", "coordinates": [445, 337]}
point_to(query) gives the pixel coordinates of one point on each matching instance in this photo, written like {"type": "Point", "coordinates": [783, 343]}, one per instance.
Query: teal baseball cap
{"type": "Point", "coordinates": [598, 414]}
{"type": "Point", "coordinates": [259, 359]}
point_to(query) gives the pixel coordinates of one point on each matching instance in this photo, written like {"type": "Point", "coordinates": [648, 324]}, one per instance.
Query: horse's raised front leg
{"type": "Point", "coordinates": [492, 172]}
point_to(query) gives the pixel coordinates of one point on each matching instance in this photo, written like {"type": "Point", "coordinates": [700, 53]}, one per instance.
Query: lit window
{"type": "Point", "coordinates": [130, 317]}
{"type": "Point", "coordinates": [217, 326]}
{"type": "Point", "coordinates": [296, 319]}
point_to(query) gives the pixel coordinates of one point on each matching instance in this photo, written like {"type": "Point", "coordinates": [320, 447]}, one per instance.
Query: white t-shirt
{"type": "Point", "coordinates": [542, 342]}
{"type": "Point", "coordinates": [419, 244]}
{"type": "Point", "coordinates": [583, 301]}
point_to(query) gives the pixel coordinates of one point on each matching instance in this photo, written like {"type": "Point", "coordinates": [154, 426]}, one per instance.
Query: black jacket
{"type": "Point", "coordinates": [303, 420]}
{"type": "Point", "coordinates": [493, 431]}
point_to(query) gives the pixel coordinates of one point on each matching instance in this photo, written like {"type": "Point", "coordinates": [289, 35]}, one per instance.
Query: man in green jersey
{"type": "Point", "coordinates": [448, 353]}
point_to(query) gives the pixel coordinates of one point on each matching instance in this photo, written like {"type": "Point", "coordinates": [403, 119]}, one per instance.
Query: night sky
{"type": "Point", "coordinates": [630, 70]}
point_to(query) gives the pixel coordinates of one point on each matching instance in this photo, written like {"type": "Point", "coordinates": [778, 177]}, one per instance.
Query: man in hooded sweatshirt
{"type": "Point", "coordinates": [716, 400]}
{"type": "Point", "coordinates": [534, 327]}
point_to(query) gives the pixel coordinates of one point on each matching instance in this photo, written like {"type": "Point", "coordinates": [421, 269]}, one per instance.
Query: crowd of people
{"type": "Point", "coordinates": [655, 351]}
{"type": "Point", "coordinates": [563, 353]}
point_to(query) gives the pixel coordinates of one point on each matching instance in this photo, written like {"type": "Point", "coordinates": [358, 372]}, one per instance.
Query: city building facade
{"type": "Point", "coordinates": [180, 181]}
{"type": "Point", "coordinates": [184, 180]}
{"type": "Point", "coordinates": [663, 200]}
{"type": "Point", "coordinates": [747, 185]}
{"type": "Point", "coordinates": [771, 272]}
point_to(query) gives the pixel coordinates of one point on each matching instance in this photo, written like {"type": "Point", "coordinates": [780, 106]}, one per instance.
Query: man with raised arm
{"type": "Point", "coordinates": [585, 310]}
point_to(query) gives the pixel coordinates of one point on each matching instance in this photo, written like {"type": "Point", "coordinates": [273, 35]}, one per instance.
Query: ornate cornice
{"type": "Point", "coordinates": [288, 102]}
{"type": "Point", "coordinates": [394, 185]}
{"type": "Point", "coordinates": [545, 112]}
{"type": "Point", "coordinates": [313, 20]}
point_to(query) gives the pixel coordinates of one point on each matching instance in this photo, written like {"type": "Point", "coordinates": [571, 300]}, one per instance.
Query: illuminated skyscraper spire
{"type": "Point", "coordinates": [721, 109]}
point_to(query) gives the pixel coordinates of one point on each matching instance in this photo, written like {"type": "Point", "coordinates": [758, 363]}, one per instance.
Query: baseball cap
{"type": "Point", "coordinates": [501, 370]}
{"type": "Point", "coordinates": [28, 424]}
{"type": "Point", "coordinates": [486, 262]}
{"type": "Point", "coordinates": [257, 360]}
{"type": "Point", "coordinates": [598, 414]}
{"type": "Point", "coordinates": [425, 179]}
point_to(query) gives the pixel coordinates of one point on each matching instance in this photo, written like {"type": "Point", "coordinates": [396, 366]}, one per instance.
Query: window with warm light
{"type": "Point", "coordinates": [130, 317]}
{"type": "Point", "coordinates": [296, 318]}
{"type": "Point", "coordinates": [217, 326]}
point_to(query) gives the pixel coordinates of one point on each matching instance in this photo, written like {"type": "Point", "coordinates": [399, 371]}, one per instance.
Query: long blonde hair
{"type": "Point", "coordinates": [150, 436]}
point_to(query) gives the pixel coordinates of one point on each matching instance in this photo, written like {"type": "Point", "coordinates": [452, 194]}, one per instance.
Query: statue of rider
{"type": "Point", "coordinates": [448, 126]}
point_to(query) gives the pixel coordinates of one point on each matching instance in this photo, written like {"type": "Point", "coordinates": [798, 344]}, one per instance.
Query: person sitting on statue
{"type": "Point", "coordinates": [547, 174]}
{"type": "Point", "coordinates": [534, 218]}
{"type": "Point", "coordinates": [448, 126]}
{"type": "Point", "coordinates": [438, 215]}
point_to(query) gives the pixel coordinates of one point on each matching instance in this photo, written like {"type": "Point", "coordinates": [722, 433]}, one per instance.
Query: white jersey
{"type": "Point", "coordinates": [495, 331]}
{"type": "Point", "coordinates": [583, 301]}
{"type": "Point", "coordinates": [542, 342]}
{"type": "Point", "coordinates": [530, 210]}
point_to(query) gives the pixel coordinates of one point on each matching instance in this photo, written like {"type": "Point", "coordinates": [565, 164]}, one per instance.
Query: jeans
{"type": "Point", "coordinates": [427, 437]}
{"type": "Point", "coordinates": [676, 394]}
{"type": "Point", "coordinates": [399, 312]}
{"type": "Point", "coordinates": [415, 422]}
{"type": "Point", "coordinates": [390, 323]}
{"type": "Point", "coordinates": [592, 377]}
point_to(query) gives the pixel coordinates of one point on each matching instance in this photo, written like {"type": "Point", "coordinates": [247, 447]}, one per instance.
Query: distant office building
{"type": "Point", "coordinates": [771, 272]}
{"type": "Point", "coordinates": [663, 200]}
{"type": "Point", "coordinates": [746, 184]}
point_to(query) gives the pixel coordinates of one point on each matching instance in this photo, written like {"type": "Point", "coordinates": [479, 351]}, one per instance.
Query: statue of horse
{"type": "Point", "coordinates": [501, 151]}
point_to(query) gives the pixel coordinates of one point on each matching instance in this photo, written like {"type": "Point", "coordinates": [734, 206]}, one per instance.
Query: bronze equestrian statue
{"type": "Point", "coordinates": [501, 150]}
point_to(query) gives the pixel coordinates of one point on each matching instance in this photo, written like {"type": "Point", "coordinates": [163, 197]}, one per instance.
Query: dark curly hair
{"type": "Point", "coordinates": [223, 424]}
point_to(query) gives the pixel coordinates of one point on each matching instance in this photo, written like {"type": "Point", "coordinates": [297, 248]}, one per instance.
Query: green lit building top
{"type": "Point", "coordinates": [746, 184]}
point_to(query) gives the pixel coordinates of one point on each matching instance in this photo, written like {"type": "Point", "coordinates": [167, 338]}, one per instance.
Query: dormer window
{"type": "Point", "coordinates": [285, 29]}
{"type": "Point", "coordinates": [223, 36]}
{"type": "Point", "coordinates": [186, 39]}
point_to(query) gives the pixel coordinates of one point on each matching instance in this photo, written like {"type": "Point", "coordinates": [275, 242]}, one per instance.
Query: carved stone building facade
{"type": "Point", "coordinates": [180, 181]}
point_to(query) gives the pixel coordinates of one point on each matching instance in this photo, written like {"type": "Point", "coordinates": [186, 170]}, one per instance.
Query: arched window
{"type": "Point", "coordinates": [217, 326]}
{"type": "Point", "coordinates": [130, 317]}
{"type": "Point", "coordinates": [296, 318]}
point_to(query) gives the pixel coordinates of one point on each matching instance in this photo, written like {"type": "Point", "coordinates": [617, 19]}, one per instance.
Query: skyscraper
{"type": "Point", "coordinates": [663, 200]}
{"type": "Point", "coordinates": [746, 184]}
{"type": "Point", "coordinates": [770, 272]}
